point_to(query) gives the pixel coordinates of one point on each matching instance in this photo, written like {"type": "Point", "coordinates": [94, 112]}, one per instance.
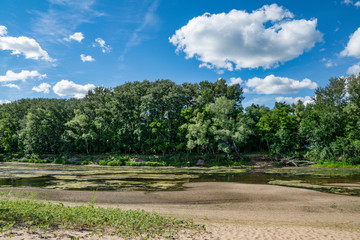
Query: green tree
{"type": "Point", "coordinates": [44, 128]}
{"type": "Point", "coordinates": [280, 129]}
{"type": "Point", "coordinates": [8, 133]}
{"type": "Point", "coordinates": [228, 125]}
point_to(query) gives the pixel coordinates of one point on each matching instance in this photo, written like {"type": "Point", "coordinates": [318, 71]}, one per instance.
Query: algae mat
{"type": "Point", "coordinates": [125, 178]}
{"type": "Point", "coordinates": [108, 178]}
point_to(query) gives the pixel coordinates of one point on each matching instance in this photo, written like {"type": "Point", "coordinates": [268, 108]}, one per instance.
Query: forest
{"type": "Point", "coordinates": [163, 117]}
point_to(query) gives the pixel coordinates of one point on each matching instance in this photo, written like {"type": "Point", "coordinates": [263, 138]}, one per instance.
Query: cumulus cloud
{"type": "Point", "coordinates": [353, 47]}
{"type": "Point", "coordinates": [11, 85]}
{"type": "Point", "coordinates": [263, 38]}
{"type": "Point", "coordinates": [305, 100]}
{"type": "Point", "coordinates": [21, 76]}
{"type": "Point", "coordinates": [43, 87]}
{"type": "Point", "coordinates": [69, 88]}
{"type": "Point", "coordinates": [278, 85]}
{"type": "Point", "coordinates": [102, 44]}
{"type": "Point", "coordinates": [22, 45]}
{"type": "Point", "coordinates": [234, 81]}
{"type": "Point", "coordinates": [354, 69]}
{"type": "Point", "coordinates": [3, 30]}
{"type": "Point", "coordinates": [86, 58]}
{"type": "Point", "coordinates": [78, 36]}
{"type": "Point", "coordinates": [4, 101]}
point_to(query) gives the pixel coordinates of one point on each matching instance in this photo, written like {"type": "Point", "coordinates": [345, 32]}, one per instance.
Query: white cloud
{"type": "Point", "coordinates": [102, 44]}
{"type": "Point", "coordinates": [11, 85]}
{"type": "Point", "coordinates": [22, 45]}
{"type": "Point", "coordinates": [69, 88]}
{"type": "Point", "coordinates": [263, 38]}
{"type": "Point", "coordinates": [350, 2]}
{"type": "Point", "coordinates": [305, 100]}
{"type": "Point", "coordinates": [43, 87]}
{"type": "Point", "coordinates": [234, 81]}
{"type": "Point", "coordinates": [4, 101]}
{"type": "Point", "coordinates": [354, 69]}
{"type": "Point", "coordinates": [279, 85]}
{"type": "Point", "coordinates": [87, 58]}
{"type": "Point", "coordinates": [328, 63]}
{"type": "Point", "coordinates": [78, 36]}
{"type": "Point", "coordinates": [21, 76]}
{"type": "Point", "coordinates": [3, 30]}
{"type": "Point", "coordinates": [353, 47]}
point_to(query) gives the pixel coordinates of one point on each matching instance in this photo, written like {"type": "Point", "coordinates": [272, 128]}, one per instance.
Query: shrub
{"type": "Point", "coordinates": [103, 162]}
{"type": "Point", "coordinates": [114, 163]}
{"type": "Point", "coordinates": [60, 161]}
{"type": "Point", "coordinates": [86, 162]}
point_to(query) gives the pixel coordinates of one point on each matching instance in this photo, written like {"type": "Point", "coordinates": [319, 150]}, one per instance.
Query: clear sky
{"type": "Point", "coordinates": [277, 50]}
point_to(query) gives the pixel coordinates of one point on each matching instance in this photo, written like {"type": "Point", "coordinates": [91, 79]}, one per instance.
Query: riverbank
{"type": "Point", "coordinates": [233, 210]}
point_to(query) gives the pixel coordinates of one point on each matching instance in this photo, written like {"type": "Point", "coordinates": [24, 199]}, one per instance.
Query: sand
{"type": "Point", "coordinates": [229, 211]}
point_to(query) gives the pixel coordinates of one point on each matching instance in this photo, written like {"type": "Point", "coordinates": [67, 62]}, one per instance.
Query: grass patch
{"type": "Point", "coordinates": [112, 221]}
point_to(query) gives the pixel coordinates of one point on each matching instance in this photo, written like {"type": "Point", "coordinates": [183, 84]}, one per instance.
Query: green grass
{"type": "Point", "coordinates": [112, 221]}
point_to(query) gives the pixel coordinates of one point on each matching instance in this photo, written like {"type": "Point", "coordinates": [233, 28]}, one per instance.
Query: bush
{"type": "Point", "coordinates": [114, 163]}
{"type": "Point", "coordinates": [60, 161]}
{"type": "Point", "coordinates": [86, 162]}
{"type": "Point", "coordinates": [102, 162]}
{"type": "Point", "coordinates": [150, 164]}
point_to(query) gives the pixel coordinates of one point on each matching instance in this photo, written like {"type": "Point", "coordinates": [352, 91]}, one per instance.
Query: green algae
{"type": "Point", "coordinates": [123, 178]}
{"type": "Point", "coordinates": [128, 178]}
{"type": "Point", "coordinates": [344, 190]}
{"type": "Point", "coordinates": [316, 171]}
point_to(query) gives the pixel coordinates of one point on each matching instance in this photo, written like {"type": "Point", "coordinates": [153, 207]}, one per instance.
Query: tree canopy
{"type": "Point", "coordinates": [165, 117]}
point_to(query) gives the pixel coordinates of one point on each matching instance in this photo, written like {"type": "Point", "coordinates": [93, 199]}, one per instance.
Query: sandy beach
{"type": "Point", "coordinates": [229, 211]}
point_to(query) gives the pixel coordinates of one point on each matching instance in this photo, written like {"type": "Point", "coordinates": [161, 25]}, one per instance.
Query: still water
{"type": "Point", "coordinates": [70, 177]}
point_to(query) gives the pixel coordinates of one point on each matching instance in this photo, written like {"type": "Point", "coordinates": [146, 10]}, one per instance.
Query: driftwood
{"type": "Point", "coordinates": [294, 161]}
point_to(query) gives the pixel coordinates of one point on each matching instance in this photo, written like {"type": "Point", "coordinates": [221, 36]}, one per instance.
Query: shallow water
{"type": "Point", "coordinates": [68, 177]}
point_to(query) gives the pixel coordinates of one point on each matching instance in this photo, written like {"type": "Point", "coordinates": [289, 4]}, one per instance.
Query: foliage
{"type": "Point", "coordinates": [163, 119]}
{"type": "Point", "coordinates": [280, 129]}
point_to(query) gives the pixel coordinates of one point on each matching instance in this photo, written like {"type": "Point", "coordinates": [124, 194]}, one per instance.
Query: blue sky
{"type": "Point", "coordinates": [276, 50]}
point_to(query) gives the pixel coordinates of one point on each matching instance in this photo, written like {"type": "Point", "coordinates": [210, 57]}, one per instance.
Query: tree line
{"type": "Point", "coordinates": [163, 117]}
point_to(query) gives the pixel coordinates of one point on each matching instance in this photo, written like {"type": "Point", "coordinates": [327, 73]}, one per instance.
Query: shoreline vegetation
{"type": "Point", "coordinates": [169, 124]}
{"type": "Point", "coordinates": [173, 160]}
{"type": "Point", "coordinates": [30, 214]}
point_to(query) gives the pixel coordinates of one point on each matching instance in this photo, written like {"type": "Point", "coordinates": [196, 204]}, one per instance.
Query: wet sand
{"type": "Point", "coordinates": [230, 210]}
